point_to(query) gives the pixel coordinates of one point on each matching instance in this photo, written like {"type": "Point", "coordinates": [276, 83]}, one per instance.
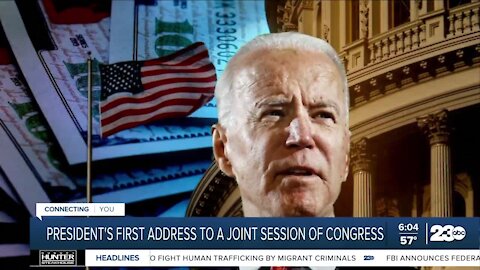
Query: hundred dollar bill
{"type": "Point", "coordinates": [38, 172]}
{"type": "Point", "coordinates": [14, 250]}
{"type": "Point", "coordinates": [6, 187]}
{"type": "Point", "coordinates": [12, 243]}
{"type": "Point", "coordinates": [52, 58]}
{"type": "Point", "coordinates": [145, 31]}
{"type": "Point", "coordinates": [6, 218]}
{"type": "Point", "coordinates": [10, 206]}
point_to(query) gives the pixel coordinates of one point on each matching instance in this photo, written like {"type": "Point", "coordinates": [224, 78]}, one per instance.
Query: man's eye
{"type": "Point", "coordinates": [325, 115]}
{"type": "Point", "coordinates": [274, 113]}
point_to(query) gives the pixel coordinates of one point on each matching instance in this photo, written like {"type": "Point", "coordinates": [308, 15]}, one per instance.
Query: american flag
{"type": "Point", "coordinates": [137, 92]}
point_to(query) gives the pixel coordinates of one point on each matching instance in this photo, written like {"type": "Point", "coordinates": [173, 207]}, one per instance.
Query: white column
{"type": "Point", "coordinates": [343, 26]}
{"type": "Point", "coordinates": [370, 19]}
{"type": "Point", "coordinates": [414, 9]}
{"type": "Point", "coordinates": [326, 20]}
{"type": "Point", "coordinates": [437, 5]}
{"type": "Point", "coordinates": [422, 7]}
{"type": "Point", "coordinates": [384, 14]}
{"type": "Point", "coordinates": [362, 180]}
{"type": "Point", "coordinates": [436, 128]}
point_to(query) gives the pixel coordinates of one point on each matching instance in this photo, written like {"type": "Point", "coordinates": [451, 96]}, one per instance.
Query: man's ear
{"type": "Point", "coordinates": [219, 139]}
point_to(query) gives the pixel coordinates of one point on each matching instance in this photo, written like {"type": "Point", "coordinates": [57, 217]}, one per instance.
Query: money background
{"type": "Point", "coordinates": [43, 108]}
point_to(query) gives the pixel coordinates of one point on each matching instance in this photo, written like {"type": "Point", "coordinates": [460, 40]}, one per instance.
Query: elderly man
{"type": "Point", "coordinates": [283, 125]}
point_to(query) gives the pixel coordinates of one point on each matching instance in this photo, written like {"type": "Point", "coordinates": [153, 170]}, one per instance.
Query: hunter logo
{"type": "Point", "coordinates": [58, 257]}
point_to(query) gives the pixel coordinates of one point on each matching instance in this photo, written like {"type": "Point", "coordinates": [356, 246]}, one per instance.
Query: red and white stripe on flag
{"type": "Point", "coordinates": [135, 93]}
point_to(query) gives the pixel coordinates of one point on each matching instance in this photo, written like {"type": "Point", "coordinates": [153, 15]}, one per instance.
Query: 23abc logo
{"type": "Point", "coordinates": [447, 233]}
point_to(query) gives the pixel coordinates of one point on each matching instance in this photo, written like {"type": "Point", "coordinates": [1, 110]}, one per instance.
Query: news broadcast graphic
{"type": "Point", "coordinates": [257, 241]}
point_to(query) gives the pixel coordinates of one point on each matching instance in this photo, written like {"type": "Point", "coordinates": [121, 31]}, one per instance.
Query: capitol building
{"type": "Point", "coordinates": [413, 68]}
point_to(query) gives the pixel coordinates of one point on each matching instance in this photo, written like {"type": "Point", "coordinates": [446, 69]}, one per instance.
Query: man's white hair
{"type": "Point", "coordinates": [285, 40]}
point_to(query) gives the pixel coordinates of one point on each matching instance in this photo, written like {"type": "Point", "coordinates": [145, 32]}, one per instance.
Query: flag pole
{"type": "Point", "coordinates": [89, 129]}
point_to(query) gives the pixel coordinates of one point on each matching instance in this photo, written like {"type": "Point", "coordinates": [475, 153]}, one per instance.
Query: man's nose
{"type": "Point", "coordinates": [300, 133]}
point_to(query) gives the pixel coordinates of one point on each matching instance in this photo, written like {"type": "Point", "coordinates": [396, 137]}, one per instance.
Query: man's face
{"type": "Point", "coordinates": [288, 144]}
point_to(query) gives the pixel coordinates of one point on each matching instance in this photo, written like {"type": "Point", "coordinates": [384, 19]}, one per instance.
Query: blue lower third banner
{"type": "Point", "coordinates": [128, 241]}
